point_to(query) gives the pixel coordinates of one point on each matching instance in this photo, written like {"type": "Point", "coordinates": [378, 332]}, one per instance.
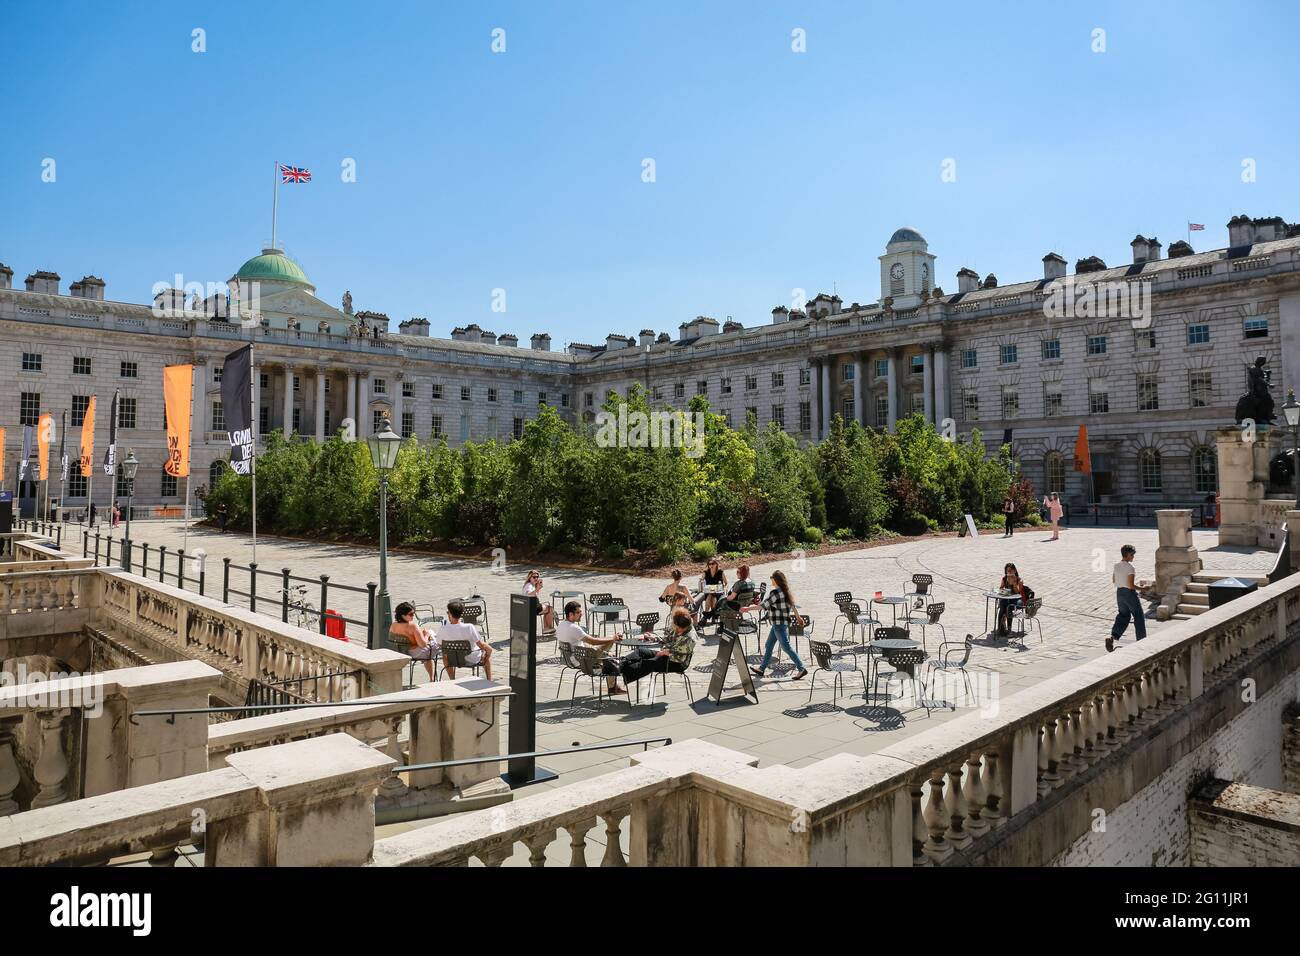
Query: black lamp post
{"type": "Point", "coordinates": [129, 469]}
{"type": "Point", "coordinates": [384, 446]}
{"type": "Point", "coordinates": [1291, 409]}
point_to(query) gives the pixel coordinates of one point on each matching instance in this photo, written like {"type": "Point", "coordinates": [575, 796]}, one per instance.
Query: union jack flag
{"type": "Point", "coordinates": [294, 174]}
{"type": "Point", "coordinates": [1196, 227]}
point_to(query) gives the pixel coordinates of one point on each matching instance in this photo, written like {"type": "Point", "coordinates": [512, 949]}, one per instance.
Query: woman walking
{"type": "Point", "coordinates": [780, 607]}
{"type": "Point", "coordinates": [1054, 511]}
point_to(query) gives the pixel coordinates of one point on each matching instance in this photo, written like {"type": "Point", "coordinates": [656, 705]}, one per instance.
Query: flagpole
{"type": "Point", "coordinates": [275, 199]}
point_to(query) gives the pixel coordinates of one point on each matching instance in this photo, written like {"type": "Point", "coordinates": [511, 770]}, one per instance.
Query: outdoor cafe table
{"type": "Point", "coordinates": [888, 646]}
{"type": "Point", "coordinates": [893, 603]}
{"type": "Point", "coordinates": [598, 612]}
{"type": "Point", "coordinates": [990, 597]}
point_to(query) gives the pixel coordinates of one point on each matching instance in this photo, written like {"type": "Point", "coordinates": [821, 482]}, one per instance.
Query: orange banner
{"type": "Point", "coordinates": [44, 435]}
{"type": "Point", "coordinates": [88, 440]}
{"type": "Point", "coordinates": [2, 454]}
{"type": "Point", "coordinates": [1082, 457]}
{"type": "Point", "coordinates": [178, 389]}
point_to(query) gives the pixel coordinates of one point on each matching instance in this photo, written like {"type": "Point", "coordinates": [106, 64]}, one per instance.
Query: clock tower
{"type": "Point", "coordinates": [906, 269]}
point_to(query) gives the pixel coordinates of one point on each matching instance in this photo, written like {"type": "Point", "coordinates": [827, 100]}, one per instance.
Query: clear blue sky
{"type": "Point", "coordinates": [522, 170]}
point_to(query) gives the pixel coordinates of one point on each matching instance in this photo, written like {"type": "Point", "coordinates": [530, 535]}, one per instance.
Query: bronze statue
{"type": "Point", "coordinates": [1257, 403]}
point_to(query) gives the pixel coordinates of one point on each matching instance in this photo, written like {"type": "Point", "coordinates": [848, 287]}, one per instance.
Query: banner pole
{"type": "Point", "coordinates": [189, 467]}
{"type": "Point", "coordinates": [252, 426]}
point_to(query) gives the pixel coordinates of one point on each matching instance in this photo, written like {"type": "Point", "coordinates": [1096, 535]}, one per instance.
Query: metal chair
{"type": "Point", "coordinates": [852, 616]}
{"type": "Point", "coordinates": [947, 661]}
{"type": "Point", "coordinates": [608, 618]}
{"type": "Point", "coordinates": [821, 652]}
{"type": "Point", "coordinates": [737, 624]}
{"type": "Point", "coordinates": [1027, 614]}
{"type": "Point", "coordinates": [884, 632]}
{"type": "Point", "coordinates": [472, 613]}
{"type": "Point", "coordinates": [922, 588]}
{"type": "Point", "coordinates": [901, 661]}
{"type": "Point", "coordinates": [402, 645]}
{"type": "Point", "coordinates": [797, 631]}
{"type": "Point", "coordinates": [584, 662]}
{"type": "Point", "coordinates": [929, 618]}
{"type": "Point", "coordinates": [690, 694]}
{"type": "Point", "coordinates": [647, 621]}
{"type": "Point", "coordinates": [455, 654]}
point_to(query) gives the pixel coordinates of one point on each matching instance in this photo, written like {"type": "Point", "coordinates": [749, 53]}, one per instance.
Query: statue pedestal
{"type": "Point", "coordinates": [1243, 479]}
{"type": "Point", "coordinates": [1176, 559]}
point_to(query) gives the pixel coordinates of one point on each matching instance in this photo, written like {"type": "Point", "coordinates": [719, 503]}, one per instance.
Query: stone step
{"type": "Point", "coordinates": [1192, 609]}
{"type": "Point", "coordinates": [1180, 617]}
{"type": "Point", "coordinates": [1201, 599]}
{"type": "Point", "coordinates": [1198, 587]}
{"type": "Point", "coordinates": [1206, 577]}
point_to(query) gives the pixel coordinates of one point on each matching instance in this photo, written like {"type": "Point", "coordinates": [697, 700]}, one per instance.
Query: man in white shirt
{"type": "Point", "coordinates": [454, 630]}
{"type": "Point", "coordinates": [571, 632]}
{"type": "Point", "coordinates": [1126, 597]}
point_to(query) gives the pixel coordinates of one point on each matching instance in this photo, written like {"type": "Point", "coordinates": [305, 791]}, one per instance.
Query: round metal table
{"type": "Point", "coordinates": [990, 597]}
{"type": "Point", "coordinates": [606, 614]}
{"type": "Point", "coordinates": [894, 603]}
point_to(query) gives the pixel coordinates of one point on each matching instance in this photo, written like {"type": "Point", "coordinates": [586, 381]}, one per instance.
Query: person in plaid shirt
{"type": "Point", "coordinates": [672, 656]}
{"type": "Point", "coordinates": [780, 608]}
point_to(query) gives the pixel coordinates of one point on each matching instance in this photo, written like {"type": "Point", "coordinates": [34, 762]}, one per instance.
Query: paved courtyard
{"type": "Point", "coordinates": [1071, 575]}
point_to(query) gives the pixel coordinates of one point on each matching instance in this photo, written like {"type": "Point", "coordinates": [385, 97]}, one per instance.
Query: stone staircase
{"type": "Point", "coordinates": [1196, 596]}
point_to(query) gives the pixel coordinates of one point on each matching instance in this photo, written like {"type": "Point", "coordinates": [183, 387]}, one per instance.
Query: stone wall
{"type": "Point", "coordinates": [1291, 748]}
{"type": "Point", "coordinates": [1234, 824]}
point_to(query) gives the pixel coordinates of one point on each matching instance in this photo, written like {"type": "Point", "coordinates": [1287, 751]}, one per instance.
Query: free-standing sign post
{"type": "Point", "coordinates": [522, 771]}
{"type": "Point", "coordinates": [730, 652]}
{"type": "Point", "coordinates": [971, 530]}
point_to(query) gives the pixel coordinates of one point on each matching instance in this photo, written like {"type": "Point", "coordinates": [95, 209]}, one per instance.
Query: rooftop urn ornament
{"type": "Point", "coordinates": [1257, 404]}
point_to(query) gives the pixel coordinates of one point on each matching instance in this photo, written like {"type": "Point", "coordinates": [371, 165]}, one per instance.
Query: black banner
{"type": "Point", "coordinates": [237, 403]}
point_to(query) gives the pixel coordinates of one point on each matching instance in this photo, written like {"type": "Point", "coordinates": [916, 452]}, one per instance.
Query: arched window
{"type": "Point", "coordinates": [1054, 469]}
{"type": "Point", "coordinates": [1149, 471]}
{"type": "Point", "coordinates": [1205, 470]}
{"type": "Point", "coordinates": [214, 472]}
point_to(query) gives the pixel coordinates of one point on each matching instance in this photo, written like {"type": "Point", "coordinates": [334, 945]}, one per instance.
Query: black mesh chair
{"type": "Point", "coordinates": [399, 643]}
{"type": "Point", "coordinates": [954, 656]}
{"type": "Point", "coordinates": [904, 664]}
{"type": "Point", "coordinates": [821, 652]}
{"type": "Point", "coordinates": [584, 662]}
{"type": "Point", "coordinates": [920, 589]}
{"type": "Point", "coordinates": [852, 618]}
{"type": "Point", "coordinates": [1027, 615]}
{"type": "Point", "coordinates": [738, 624]}
{"type": "Point", "coordinates": [647, 621]}
{"type": "Point", "coordinates": [456, 654]}
{"type": "Point", "coordinates": [927, 617]}
{"type": "Point", "coordinates": [472, 613]}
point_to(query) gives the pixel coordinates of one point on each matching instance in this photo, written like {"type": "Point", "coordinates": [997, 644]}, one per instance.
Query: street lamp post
{"type": "Point", "coordinates": [1292, 412]}
{"type": "Point", "coordinates": [384, 446]}
{"type": "Point", "coordinates": [129, 469]}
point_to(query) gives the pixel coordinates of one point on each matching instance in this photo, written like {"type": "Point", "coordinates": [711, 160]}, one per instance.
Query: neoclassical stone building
{"type": "Point", "coordinates": [1151, 355]}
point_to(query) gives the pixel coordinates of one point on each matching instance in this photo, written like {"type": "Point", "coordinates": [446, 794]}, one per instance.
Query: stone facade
{"type": "Point", "coordinates": [1151, 355]}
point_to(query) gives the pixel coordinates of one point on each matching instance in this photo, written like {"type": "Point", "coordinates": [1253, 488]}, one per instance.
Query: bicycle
{"type": "Point", "coordinates": [296, 598]}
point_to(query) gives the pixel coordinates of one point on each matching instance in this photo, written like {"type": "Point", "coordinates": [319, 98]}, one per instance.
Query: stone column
{"type": "Point", "coordinates": [826, 399]}
{"type": "Point", "coordinates": [859, 373]}
{"type": "Point", "coordinates": [352, 400]}
{"type": "Point", "coordinates": [1243, 474]}
{"type": "Point", "coordinates": [891, 389]}
{"type": "Point", "coordinates": [927, 386]}
{"type": "Point", "coordinates": [398, 404]}
{"type": "Point", "coordinates": [816, 365]}
{"type": "Point", "coordinates": [941, 409]}
{"type": "Point", "coordinates": [320, 403]}
{"type": "Point", "coordinates": [365, 424]}
{"type": "Point", "coordinates": [288, 401]}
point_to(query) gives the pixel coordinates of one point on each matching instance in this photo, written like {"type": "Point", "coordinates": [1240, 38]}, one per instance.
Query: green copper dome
{"type": "Point", "coordinates": [273, 266]}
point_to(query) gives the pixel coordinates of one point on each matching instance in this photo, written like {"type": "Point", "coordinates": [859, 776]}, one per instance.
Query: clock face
{"type": "Point", "coordinates": [896, 271]}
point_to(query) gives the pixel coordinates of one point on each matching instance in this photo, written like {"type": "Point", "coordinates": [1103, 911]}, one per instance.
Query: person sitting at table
{"type": "Point", "coordinates": [571, 632]}
{"type": "Point", "coordinates": [421, 642]}
{"type": "Point", "coordinates": [453, 630]}
{"type": "Point", "coordinates": [1010, 582]}
{"type": "Point", "coordinates": [533, 586]}
{"type": "Point", "coordinates": [671, 657]}
{"type": "Point", "coordinates": [714, 577]}
{"type": "Point", "coordinates": [675, 587]}
{"type": "Point", "coordinates": [741, 593]}
{"type": "Point", "coordinates": [781, 610]}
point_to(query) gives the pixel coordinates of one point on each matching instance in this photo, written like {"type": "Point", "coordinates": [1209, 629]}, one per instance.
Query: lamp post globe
{"type": "Point", "coordinates": [130, 467]}
{"type": "Point", "coordinates": [384, 446]}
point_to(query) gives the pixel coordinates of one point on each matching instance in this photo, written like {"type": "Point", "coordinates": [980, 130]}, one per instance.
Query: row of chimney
{"type": "Point", "coordinates": [87, 287]}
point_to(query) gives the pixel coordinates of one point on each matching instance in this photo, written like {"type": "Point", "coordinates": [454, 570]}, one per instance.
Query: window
{"type": "Point", "coordinates": [727, 417]}
{"type": "Point", "coordinates": [848, 371]}
{"type": "Point", "coordinates": [657, 393]}
{"type": "Point", "coordinates": [751, 383]}
{"type": "Point", "coordinates": [31, 361]}
{"type": "Point", "coordinates": [327, 385]}
{"type": "Point", "coordinates": [589, 399]}
{"type": "Point", "coordinates": [1149, 470]}
{"type": "Point", "coordinates": [297, 420]}
{"type": "Point", "coordinates": [437, 390]}
{"type": "Point", "coordinates": [881, 368]}
{"type": "Point", "coordinates": [751, 416]}
{"type": "Point", "coordinates": [725, 386]}
{"type": "Point", "coordinates": [76, 482]}
{"type": "Point", "coordinates": [492, 394]}
{"type": "Point", "coordinates": [1200, 387]}
{"type": "Point", "coordinates": [168, 485]}
{"type": "Point", "coordinates": [805, 416]}
{"type": "Point", "coordinates": [215, 471]}
{"type": "Point", "coordinates": [679, 390]}
{"type": "Point", "coordinates": [850, 409]}
{"type": "Point", "coordinates": [517, 429]}
{"type": "Point", "coordinates": [564, 400]}
{"type": "Point", "coordinates": [970, 358]}
{"type": "Point", "coordinates": [435, 426]}
{"type": "Point", "coordinates": [1096, 345]}
{"type": "Point", "coordinates": [918, 403]}
{"type": "Point", "coordinates": [297, 385]}
{"type": "Point", "coordinates": [81, 366]}
{"type": "Point", "coordinates": [464, 393]}
{"type": "Point", "coordinates": [126, 413]}
{"type": "Point", "coordinates": [1051, 349]}
{"type": "Point", "coordinates": [519, 396]}
{"type": "Point", "coordinates": [264, 419]}
{"type": "Point", "coordinates": [541, 399]}
{"type": "Point", "coordinates": [1205, 469]}
{"type": "Point", "coordinates": [702, 387]}
{"type": "Point", "coordinates": [379, 386]}
{"type": "Point", "coordinates": [79, 405]}
{"type": "Point", "coordinates": [408, 424]}
{"type": "Point", "coordinates": [218, 417]}
{"type": "Point", "coordinates": [121, 487]}
{"type": "Point", "coordinates": [408, 390]}
{"type": "Point", "coordinates": [1255, 328]}
{"type": "Point", "coordinates": [377, 420]}
{"type": "Point", "coordinates": [29, 408]}
{"type": "Point", "coordinates": [1148, 391]}
{"type": "Point", "coordinates": [1053, 403]}
{"type": "Point", "coordinates": [1144, 338]}
{"type": "Point", "coordinates": [217, 370]}
{"type": "Point", "coordinates": [464, 427]}
{"type": "Point", "coordinates": [971, 406]}
{"type": "Point", "coordinates": [1098, 403]}
{"type": "Point", "coordinates": [778, 379]}
{"type": "Point", "coordinates": [778, 415]}
{"type": "Point", "coordinates": [1008, 354]}
{"type": "Point", "coordinates": [918, 364]}
{"type": "Point", "coordinates": [1054, 473]}
{"type": "Point", "coordinates": [805, 376]}
{"type": "Point", "coordinates": [882, 411]}
{"type": "Point", "coordinates": [327, 422]}
{"type": "Point", "coordinates": [130, 370]}
{"type": "Point", "coordinates": [264, 380]}
{"type": "Point", "coordinates": [1198, 334]}
{"type": "Point", "coordinates": [1010, 403]}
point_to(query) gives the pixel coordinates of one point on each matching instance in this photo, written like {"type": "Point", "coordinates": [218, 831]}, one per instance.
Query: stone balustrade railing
{"type": "Point", "coordinates": [944, 795]}
{"type": "Point", "coordinates": [307, 803]}
{"type": "Point", "coordinates": [247, 645]}
{"type": "Point", "coordinates": [75, 736]}
{"type": "Point", "coordinates": [445, 720]}
{"type": "Point", "coordinates": [45, 602]}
